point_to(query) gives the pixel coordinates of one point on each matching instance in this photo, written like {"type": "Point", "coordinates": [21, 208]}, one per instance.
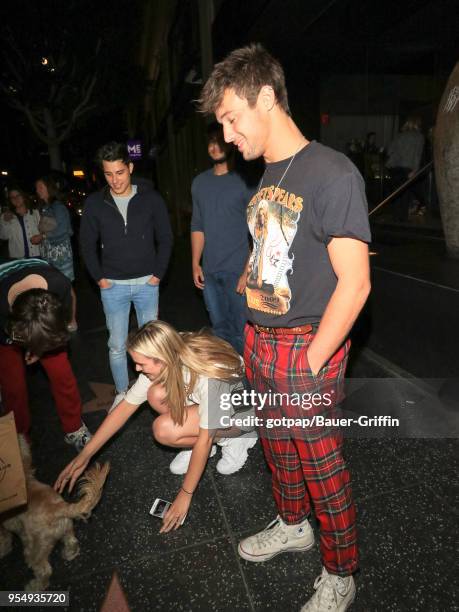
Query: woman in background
{"type": "Point", "coordinates": [57, 230]}
{"type": "Point", "coordinates": [20, 226]}
{"type": "Point", "coordinates": [405, 154]}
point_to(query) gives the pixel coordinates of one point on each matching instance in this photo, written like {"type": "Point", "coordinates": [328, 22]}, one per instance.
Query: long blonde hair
{"type": "Point", "coordinates": [202, 353]}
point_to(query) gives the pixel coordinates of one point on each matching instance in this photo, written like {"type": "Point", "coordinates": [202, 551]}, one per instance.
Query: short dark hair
{"type": "Point", "coordinates": [245, 70]}
{"type": "Point", "coordinates": [113, 151]}
{"type": "Point", "coordinates": [38, 320]}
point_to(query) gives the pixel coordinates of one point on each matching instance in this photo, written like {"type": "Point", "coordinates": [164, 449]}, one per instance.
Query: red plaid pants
{"type": "Point", "coordinates": [306, 460]}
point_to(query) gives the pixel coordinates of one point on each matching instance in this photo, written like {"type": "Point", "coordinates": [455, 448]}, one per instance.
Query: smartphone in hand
{"type": "Point", "coordinates": [160, 508]}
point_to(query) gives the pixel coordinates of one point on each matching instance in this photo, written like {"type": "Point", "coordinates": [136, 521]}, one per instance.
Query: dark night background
{"type": "Point", "coordinates": [343, 58]}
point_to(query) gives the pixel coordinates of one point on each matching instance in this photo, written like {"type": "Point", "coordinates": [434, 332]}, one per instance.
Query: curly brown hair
{"type": "Point", "coordinates": [38, 320]}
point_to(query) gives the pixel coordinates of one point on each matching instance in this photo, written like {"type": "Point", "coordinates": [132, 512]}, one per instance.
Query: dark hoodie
{"type": "Point", "coordinates": [140, 247]}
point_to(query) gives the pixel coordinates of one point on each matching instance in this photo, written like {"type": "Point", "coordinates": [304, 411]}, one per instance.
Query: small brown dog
{"type": "Point", "coordinates": [47, 519]}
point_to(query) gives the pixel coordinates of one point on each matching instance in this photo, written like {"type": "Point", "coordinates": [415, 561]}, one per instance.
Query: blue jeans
{"type": "Point", "coordinates": [117, 301]}
{"type": "Point", "coordinates": [227, 309]}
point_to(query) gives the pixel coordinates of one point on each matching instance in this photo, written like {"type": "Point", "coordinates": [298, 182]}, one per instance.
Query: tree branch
{"type": "Point", "coordinates": [81, 109]}
{"type": "Point", "coordinates": [62, 91]}
{"type": "Point", "coordinates": [14, 70]}
{"type": "Point", "coordinates": [34, 125]}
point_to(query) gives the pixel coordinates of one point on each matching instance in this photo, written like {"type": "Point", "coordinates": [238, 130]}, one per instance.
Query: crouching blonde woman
{"type": "Point", "coordinates": [182, 376]}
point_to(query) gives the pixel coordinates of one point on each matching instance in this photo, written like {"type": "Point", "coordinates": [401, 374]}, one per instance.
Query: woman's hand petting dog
{"type": "Point", "coordinates": [71, 473]}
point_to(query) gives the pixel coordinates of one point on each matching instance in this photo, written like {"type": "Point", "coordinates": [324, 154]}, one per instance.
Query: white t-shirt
{"type": "Point", "coordinates": [210, 410]}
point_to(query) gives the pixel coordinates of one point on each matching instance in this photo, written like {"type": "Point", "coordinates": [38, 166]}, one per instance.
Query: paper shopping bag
{"type": "Point", "coordinates": [13, 492]}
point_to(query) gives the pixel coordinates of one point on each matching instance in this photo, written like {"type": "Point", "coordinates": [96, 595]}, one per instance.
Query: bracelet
{"type": "Point", "coordinates": [187, 492]}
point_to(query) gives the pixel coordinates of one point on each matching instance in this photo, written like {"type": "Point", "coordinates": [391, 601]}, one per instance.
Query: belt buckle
{"type": "Point", "coordinates": [263, 329]}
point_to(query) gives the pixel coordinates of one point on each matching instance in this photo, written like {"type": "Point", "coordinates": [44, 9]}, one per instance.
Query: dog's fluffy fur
{"type": "Point", "coordinates": [47, 518]}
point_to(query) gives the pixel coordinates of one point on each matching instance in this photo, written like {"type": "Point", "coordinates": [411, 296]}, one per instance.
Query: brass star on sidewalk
{"type": "Point", "coordinates": [115, 599]}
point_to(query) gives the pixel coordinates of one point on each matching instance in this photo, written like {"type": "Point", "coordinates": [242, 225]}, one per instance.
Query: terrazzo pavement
{"type": "Point", "coordinates": [405, 489]}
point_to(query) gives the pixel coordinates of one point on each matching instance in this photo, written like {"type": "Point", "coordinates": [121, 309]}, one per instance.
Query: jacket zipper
{"type": "Point", "coordinates": [117, 210]}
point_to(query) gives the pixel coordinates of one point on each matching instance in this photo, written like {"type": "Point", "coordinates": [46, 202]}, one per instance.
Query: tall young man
{"type": "Point", "coordinates": [308, 279]}
{"type": "Point", "coordinates": [131, 223]}
{"type": "Point", "coordinates": [219, 235]}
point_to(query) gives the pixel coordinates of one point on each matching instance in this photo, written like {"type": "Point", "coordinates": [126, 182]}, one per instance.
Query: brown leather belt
{"type": "Point", "coordinates": [283, 331]}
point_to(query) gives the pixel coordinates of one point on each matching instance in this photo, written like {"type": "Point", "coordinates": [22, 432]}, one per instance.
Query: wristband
{"type": "Point", "coordinates": [187, 492]}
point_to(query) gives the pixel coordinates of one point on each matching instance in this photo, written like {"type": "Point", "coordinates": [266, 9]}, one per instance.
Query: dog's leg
{"type": "Point", "coordinates": [6, 542]}
{"type": "Point", "coordinates": [71, 547]}
{"type": "Point", "coordinates": [30, 544]}
{"type": "Point", "coordinates": [40, 565]}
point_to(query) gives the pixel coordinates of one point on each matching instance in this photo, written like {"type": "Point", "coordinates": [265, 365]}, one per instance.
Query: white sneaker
{"type": "Point", "coordinates": [119, 397]}
{"type": "Point", "coordinates": [333, 593]}
{"type": "Point", "coordinates": [234, 452]}
{"type": "Point", "coordinates": [276, 538]}
{"type": "Point", "coordinates": [179, 465]}
{"type": "Point", "coordinates": [78, 438]}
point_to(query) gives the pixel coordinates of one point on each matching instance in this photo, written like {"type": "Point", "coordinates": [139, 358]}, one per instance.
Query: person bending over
{"type": "Point", "coordinates": [35, 308]}
{"type": "Point", "coordinates": [182, 376]}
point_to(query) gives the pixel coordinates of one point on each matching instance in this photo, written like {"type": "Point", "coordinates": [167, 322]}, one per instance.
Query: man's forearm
{"type": "Point", "coordinates": [164, 239]}
{"type": "Point", "coordinates": [197, 247]}
{"type": "Point", "coordinates": [350, 262]}
{"type": "Point", "coordinates": [92, 262]}
{"type": "Point", "coordinates": [89, 237]}
{"type": "Point", "coordinates": [340, 314]}
{"type": "Point", "coordinates": [163, 256]}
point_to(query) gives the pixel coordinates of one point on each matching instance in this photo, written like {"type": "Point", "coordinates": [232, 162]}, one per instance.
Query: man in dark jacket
{"type": "Point", "coordinates": [132, 224]}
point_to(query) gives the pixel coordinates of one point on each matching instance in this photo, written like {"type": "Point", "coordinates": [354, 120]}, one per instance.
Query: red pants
{"type": "Point", "coordinates": [307, 466]}
{"type": "Point", "coordinates": [61, 378]}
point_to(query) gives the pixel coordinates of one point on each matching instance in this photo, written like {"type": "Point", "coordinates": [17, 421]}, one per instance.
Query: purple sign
{"type": "Point", "coordinates": [134, 148]}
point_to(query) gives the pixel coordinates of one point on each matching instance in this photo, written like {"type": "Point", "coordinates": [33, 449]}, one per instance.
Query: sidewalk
{"type": "Point", "coordinates": [405, 491]}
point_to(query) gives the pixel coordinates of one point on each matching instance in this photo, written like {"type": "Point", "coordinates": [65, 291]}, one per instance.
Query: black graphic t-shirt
{"type": "Point", "coordinates": [322, 196]}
